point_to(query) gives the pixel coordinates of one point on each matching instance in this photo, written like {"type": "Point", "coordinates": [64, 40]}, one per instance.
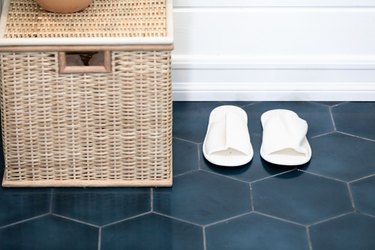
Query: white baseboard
{"type": "Point", "coordinates": [271, 91]}
{"type": "Point", "coordinates": [273, 3]}
{"type": "Point", "coordinates": [187, 62]}
{"type": "Point", "coordinates": [245, 79]}
{"type": "Point", "coordinates": [286, 79]}
{"type": "Point", "coordinates": [241, 52]}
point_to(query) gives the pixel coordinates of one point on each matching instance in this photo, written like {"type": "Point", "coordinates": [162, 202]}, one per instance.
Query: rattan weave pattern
{"type": "Point", "coordinates": [106, 129]}
{"type": "Point", "coordinates": [103, 18]}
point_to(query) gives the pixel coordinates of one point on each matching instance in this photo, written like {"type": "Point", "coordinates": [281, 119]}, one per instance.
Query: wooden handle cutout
{"type": "Point", "coordinates": [85, 62]}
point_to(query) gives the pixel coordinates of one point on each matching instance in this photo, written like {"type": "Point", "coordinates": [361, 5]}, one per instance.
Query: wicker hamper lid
{"type": "Point", "coordinates": [104, 22]}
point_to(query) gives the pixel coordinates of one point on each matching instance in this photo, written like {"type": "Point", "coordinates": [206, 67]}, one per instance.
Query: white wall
{"type": "Point", "coordinates": [274, 50]}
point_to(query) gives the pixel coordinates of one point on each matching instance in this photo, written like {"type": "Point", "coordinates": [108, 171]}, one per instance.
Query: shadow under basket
{"type": "Point", "coordinates": [87, 114]}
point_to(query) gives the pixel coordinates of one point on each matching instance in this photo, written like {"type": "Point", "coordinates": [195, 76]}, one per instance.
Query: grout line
{"type": "Point", "coordinates": [100, 238]}
{"type": "Point", "coordinates": [329, 219]}
{"type": "Point", "coordinates": [322, 176]}
{"type": "Point", "coordinates": [251, 198]}
{"type": "Point", "coordinates": [152, 199]}
{"type": "Point", "coordinates": [204, 238]}
{"type": "Point", "coordinates": [362, 178]}
{"type": "Point", "coordinates": [280, 219]}
{"type": "Point", "coordinates": [275, 175]}
{"type": "Point", "coordinates": [309, 237]}
{"type": "Point", "coordinates": [351, 197]}
{"type": "Point", "coordinates": [339, 104]}
{"type": "Point", "coordinates": [185, 140]}
{"type": "Point", "coordinates": [126, 219]}
{"type": "Point", "coordinates": [178, 219]}
{"type": "Point", "coordinates": [228, 219]}
{"type": "Point", "coordinates": [250, 104]}
{"type": "Point", "coordinates": [199, 154]}
{"type": "Point", "coordinates": [75, 220]}
{"type": "Point", "coordinates": [25, 220]}
{"type": "Point", "coordinates": [324, 105]}
{"type": "Point", "coordinates": [320, 135]}
{"type": "Point", "coordinates": [51, 201]}
{"type": "Point", "coordinates": [332, 118]}
{"type": "Point", "coordinates": [366, 214]}
{"type": "Point", "coordinates": [356, 136]}
{"type": "Point", "coordinates": [223, 175]}
{"type": "Point", "coordinates": [186, 173]}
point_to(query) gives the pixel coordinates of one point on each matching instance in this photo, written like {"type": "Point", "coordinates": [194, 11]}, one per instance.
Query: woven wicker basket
{"type": "Point", "coordinates": [108, 124]}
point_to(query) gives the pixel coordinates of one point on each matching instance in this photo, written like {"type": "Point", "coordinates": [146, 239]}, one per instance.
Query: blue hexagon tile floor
{"type": "Point", "coordinates": [328, 203]}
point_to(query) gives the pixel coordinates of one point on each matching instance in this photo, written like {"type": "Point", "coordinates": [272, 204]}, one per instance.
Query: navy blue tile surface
{"type": "Point", "coordinates": [357, 118]}
{"type": "Point", "coordinates": [325, 204]}
{"type": "Point", "coordinates": [20, 204]}
{"type": "Point", "coordinates": [255, 231]}
{"type": "Point", "coordinates": [203, 198]}
{"type": "Point", "coordinates": [49, 232]}
{"type": "Point", "coordinates": [353, 231]}
{"type": "Point", "coordinates": [298, 197]}
{"type": "Point", "coordinates": [152, 232]}
{"type": "Point", "coordinates": [185, 156]}
{"type": "Point", "coordinates": [100, 206]}
{"type": "Point", "coordinates": [190, 119]}
{"type": "Point", "coordinates": [343, 157]}
{"type": "Point", "coordinates": [363, 195]}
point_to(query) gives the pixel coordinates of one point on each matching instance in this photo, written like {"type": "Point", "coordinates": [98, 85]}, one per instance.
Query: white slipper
{"type": "Point", "coordinates": [227, 141]}
{"type": "Point", "coordinates": [284, 139]}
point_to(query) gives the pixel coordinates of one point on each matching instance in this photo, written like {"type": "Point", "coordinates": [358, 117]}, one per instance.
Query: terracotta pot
{"type": "Point", "coordinates": [64, 6]}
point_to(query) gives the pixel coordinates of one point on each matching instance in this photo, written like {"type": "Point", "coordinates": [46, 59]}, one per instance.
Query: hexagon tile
{"type": "Point", "coordinates": [349, 232]}
{"type": "Point", "coordinates": [357, 118]}
{"type": "Point", "coordinates": [301, 197]}
{"type": "Point", "coordinates": [190, 119]}
{"type": "Point", "coordinates": [254, 231]}
{"type": "Point", "coordinates": [342, 157]}
{"type": "Point", "coordinates": [49, 232]}
{"type": "Point", "coordinates": [152, 232]}
{"type": "Point", "coordinates": [185, 156]}
{"type": "Point", "coordinates": [363, 195]}
{"type": "Point", "coordinates": [101, 206]}
{"type": "Point", "coordinates": [20, 204]}
{"type": "Point", "coordinates": [203, 198]}
{"type": "Point", "coordinates": [327, 203]}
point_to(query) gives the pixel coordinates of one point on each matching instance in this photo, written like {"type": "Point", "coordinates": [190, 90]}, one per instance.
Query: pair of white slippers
{"type": "Point", "coordinates": [227, 142]}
